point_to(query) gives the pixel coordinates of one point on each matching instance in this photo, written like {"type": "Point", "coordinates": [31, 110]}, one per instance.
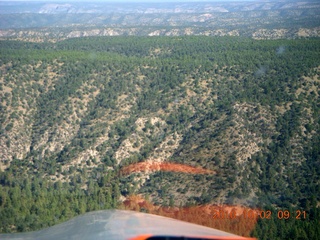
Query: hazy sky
{"type": "Point", "coordinates": [159, 1]}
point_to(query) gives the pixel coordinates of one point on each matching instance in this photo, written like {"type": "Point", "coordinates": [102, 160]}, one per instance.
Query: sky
{"type": "Point", "coordinates": [159, 1]}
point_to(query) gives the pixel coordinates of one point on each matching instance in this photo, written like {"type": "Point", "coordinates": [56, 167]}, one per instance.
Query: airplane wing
{"type": "Point", "coordinates": [122, 224]}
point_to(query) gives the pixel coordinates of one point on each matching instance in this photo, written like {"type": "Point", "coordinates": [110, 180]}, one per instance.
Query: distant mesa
{"type": "Point", "coordinates": [56, 8]}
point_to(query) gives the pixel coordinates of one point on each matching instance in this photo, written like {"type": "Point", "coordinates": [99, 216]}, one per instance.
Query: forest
{"type": "Point", "coordinates": [76, 112]}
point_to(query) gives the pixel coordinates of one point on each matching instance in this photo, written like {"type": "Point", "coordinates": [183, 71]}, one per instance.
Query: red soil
{"type": "Point", "coordinates": [151, 166]}
{"type": "Point", "coordinates": [234, 219]}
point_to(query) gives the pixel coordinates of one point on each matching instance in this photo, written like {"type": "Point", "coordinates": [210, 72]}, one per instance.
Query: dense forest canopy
{"type": "Point", "coordinates": [75, 112]}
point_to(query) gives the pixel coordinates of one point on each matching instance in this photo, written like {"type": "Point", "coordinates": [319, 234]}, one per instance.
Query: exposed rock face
{"type": "Point", "coordinates": [47, 35]}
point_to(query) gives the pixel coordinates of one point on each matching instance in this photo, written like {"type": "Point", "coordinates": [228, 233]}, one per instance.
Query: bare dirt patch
{"type": "Point", "coordinates": [153, 166]}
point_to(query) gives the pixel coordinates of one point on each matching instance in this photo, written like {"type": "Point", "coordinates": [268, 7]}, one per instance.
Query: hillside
{"type": "Point", "coordinates": [41, 21]}
{"type": "Point", "coordinates": [77, 113]}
